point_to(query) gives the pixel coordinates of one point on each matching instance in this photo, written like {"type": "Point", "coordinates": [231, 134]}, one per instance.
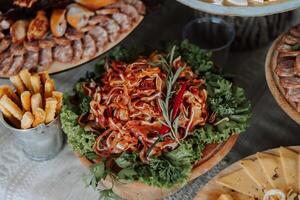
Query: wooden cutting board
{"type": "Point", "coordinates": [273, 83]}
{"type": "Point", "coordinates": [137, 190]}
{"type": "Point", "coordinates": [212, 190]}
{"type": "Point", "coordinates": [57, 67]}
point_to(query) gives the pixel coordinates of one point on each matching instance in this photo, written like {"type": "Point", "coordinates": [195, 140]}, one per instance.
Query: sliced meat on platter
{"type": "Point", "coordinates": [6, 63]}
{"type": "Point", "coordinates": [45, 58]}
{"type": "Point", "coordinates": [63, 54]}
{"type": "Point", "coordinates": [73, 34]}
{"type": "Point", "coordinates": [78, 49]}
{"type": "Point", "coordinates": [99, 19]}
{"type": "Point", "coordinates": [17, 49]}
{"type": "Point", "coordinates": [16, 65]}
{"type": "Point", "coordinates": [61, 41]}
{"type": "Point", "coordinates": [46, 43]}
{"type": "Point", "coordinates": [290, 82]}
{"type": "Point", "coordinates": [100, 35]}
{"type": "Point", "coordinates": [89, 46]}
{"type": "Point", "coordinates": [127, 9]}
{"type": "Point", "coordinates": [122, 20]}
{"type": "Point", "coordinates": [107, 11]}
{"type": "Point", "coordinates": [32, 46]}
{"type": "Point", "coordinates": [293, 95]}
{"type": "Point", "coordinates": [139, 6]}
{"type": "Point", "coordinates": [113, 30]}
{"type": "Point", "coordinates": [288, 65]}
{"type": "Point", "coordinates": [31, 60]}
{"type": "Point", "coordinates": [101, 26]}
{"type": "Point", "coordinates": [4, 44]}
{"type": "Point", "coordinates": [285, 68]}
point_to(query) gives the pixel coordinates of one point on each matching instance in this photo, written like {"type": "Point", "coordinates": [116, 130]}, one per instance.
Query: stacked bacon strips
{"type": "Point", "coordinates": [288, 66]}
{"type": "Point", "coordinates": [125, 109]}
{"type": "Point", "coordinates": [70, 35]}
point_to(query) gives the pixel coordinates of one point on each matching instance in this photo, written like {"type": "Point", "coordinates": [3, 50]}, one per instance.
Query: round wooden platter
{"type": "Point", "coordinates": [57, 67]}
{"type": "Point", "coordinates": [273, 83]}
{"type": "Point", "coordinates": [243, 11]}
{"type": "Point", "coordinates": [212, 155]}
{"type": "Point", "coordinates": [212, 190]}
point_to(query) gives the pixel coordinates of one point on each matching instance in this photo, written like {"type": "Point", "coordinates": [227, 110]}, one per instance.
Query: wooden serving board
{"type": "Point", "coordinates": [212, 190]}
{"type": "Point", "coordinates": [137, 190]}
{"type": "Point", "coordinates": [273, 82]}
{"type": "Point", "coordinates": [57, 67]}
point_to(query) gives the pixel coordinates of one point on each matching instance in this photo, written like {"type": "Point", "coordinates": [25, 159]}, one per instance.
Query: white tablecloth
{"type": "Point", "coordinates": [56, 179]}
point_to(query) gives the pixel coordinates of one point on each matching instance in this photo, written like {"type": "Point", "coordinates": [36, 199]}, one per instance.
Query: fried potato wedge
{"type": "Point", "coordinates": [8, 91]}
{"type": "Point", "coordinates": [50, 109]}
{"type": "Point", "coordinates": [44, 76]}
{"type": "Point", "coordinates": [49, 88]}
{"type": "Point", "coordinates": [39, 117]}
{"type": "Point", "coordinates": [25, 77]}
{"type": "Point", "coordinates": [17, 82]}
{"type": "Point", "coordinates": [8, 116]}
{"type": "Point", "coordinates": [26, 100]}
{"type": "Point", "coordinates": [36, 83]}
{"type": "Point", "coordinates": [59, 98]}
{"type": "Point", "coordinates": [27, 120]}
{"type": "Point", "coordinates": [13, 108]}
{"type": "Point", "coordinates": [36, 102]}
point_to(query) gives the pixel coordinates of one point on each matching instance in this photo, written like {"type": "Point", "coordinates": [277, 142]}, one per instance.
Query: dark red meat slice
{"type": "Point", "coordinates": [290, 82]}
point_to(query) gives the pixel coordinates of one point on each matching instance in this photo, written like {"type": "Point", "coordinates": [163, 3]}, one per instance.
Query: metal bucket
{"type": "Point", "coordinates": [40, 143]}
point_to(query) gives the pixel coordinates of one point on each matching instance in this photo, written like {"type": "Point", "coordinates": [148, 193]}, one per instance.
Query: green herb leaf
{"type": "Point", "coordinates": [85, 105]}
{"type": "Point", "coordinates": [108, 195]}
{"type": "Point", "coordinates": [126, 160]}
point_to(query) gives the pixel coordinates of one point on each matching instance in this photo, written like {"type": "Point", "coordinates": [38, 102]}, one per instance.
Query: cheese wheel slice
{"type": "Point", "coordinates": [239, 181]}
{"type": "Point", "coordinates": [273, 170]}
{"type": "Point", "coordinates": [254, 170]}
{"type": "Point", "coordinates": [289, 161]}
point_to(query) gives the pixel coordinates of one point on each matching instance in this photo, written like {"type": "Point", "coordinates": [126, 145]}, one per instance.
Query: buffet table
{"type": "Point", "coordinates": [61, 177]}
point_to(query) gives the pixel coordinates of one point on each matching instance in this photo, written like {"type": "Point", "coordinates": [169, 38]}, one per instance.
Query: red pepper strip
{"type": "Point", "coordinates": [178, 101]}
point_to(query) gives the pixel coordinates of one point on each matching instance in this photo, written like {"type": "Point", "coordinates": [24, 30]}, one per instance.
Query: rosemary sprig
{"type": "Point", "coordinates": [164, 105]}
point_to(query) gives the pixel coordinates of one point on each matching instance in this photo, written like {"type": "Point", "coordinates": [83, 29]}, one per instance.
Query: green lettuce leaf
{"type": "Point", "coordinates": [80, 140]}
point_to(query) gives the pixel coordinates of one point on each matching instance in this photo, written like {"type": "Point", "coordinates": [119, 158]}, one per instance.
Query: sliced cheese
{"type": "Point", "coordinates": [225, 197]}
{"type": "Point", "coordinates": [254, 170]}
{"type": "Point", "coordinates": [289, 161]}
{"type": "Point", "coordinates": [272, 168]}
{"type": "Point", "coordinates": [239, 181]}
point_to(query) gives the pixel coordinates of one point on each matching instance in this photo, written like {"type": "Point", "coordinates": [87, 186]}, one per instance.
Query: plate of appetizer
{"type": "Point", "coordinates": [57, 36]}
{"type": "Point", "coordinates": [272, 174]}
{"type": "Point", "coordinates": [244, 8]}
{"type": "Point", "coordinates": [282, 69]}
{"type": "Point", "coordinates": [148, 122]}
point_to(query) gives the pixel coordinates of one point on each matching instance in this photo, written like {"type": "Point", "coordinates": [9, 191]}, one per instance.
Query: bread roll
{"type": "Point", "coordinates": [58, 22]}
{"type": "Point", "coordinates": [18, 31]}
{"type": "Point", "coordinates": [78, 16]}
{"type": "Point", "coordinates": [95, 4]}
{"type": "Point", "coordinates": [38, 27]}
